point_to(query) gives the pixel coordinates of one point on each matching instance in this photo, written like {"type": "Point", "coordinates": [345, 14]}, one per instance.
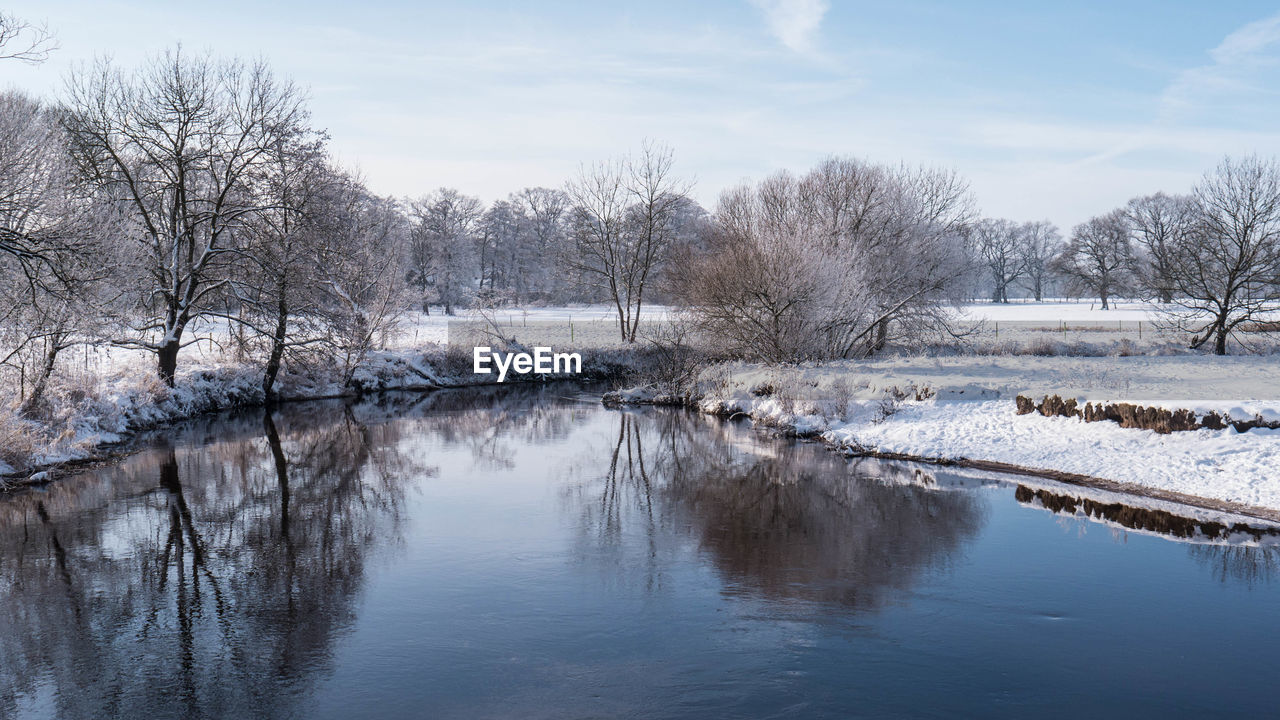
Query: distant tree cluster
{"type": "Point", "coordinates": [1211, 258]}
{"type": "Point", "coordinates": [1015, 255]}
{"type": "Point", "coordinates": [606, 237]}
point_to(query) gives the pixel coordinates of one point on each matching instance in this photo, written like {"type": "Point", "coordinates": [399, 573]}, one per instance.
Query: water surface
{"type": "Point", "coordinates": [524, 552]}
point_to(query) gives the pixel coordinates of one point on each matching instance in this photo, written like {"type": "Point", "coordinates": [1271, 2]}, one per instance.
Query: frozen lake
{"type": "Point", "coordinates": [524, 552]}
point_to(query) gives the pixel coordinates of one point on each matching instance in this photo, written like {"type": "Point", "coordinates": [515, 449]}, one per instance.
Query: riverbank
{"type": "Point", "coordinates": [962, 410]}
{"type": "Point", "coordinates": [81, 424]}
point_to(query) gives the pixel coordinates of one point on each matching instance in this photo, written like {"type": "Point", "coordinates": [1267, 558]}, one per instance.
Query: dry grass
{"type": "Point", "coordinates": [20, 440]}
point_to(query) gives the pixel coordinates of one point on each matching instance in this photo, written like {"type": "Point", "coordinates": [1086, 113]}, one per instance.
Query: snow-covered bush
{"type": "Point", "coordinates": [834, 264]}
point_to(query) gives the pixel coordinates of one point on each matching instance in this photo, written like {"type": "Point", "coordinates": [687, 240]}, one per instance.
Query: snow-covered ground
{"type": "Point", "coordinates": [962, 407]}
{"type": "Point", "coordinates": [1053, 311]}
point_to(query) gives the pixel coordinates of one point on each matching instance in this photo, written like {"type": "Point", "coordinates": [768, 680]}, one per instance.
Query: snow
{"type": "Point", "coordinates": [1219, 464]}
{"type": "Point", "coordinates": [1207, 380]}
{"type": "Point", "coordinates": [962, 408]}
{"type": "Point", "coordinates": [947, 479]}
{"type": "Point", "coordinates": [594, 325]}
{"type": "Point", "coordinates": [1053, 311]}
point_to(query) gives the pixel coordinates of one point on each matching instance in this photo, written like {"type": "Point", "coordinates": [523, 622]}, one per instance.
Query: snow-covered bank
{"type": "Point", "coordinates": [81, 422]}
{"type": "Point", "coordinates": [962, 408]}
{"type": "Point", "coordinates": [1147, 515]}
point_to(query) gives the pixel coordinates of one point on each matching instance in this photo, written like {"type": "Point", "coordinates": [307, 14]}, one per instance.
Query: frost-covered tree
{"type": "Point", "coordinates": [1099, 256]}
{"type": "Point", "coordinates": [832, 264]}
{"type": "Point", "coordinates": [1038, 244]}
{"type": "Point", "coordinates": [1226, 271]}
{"type": "Point", "coordinates": [362, 238]}
{"type": "Point", "coordinates": [275, 283]}
{"type": "Point", "coordinates": [174, 144]}
{"type": "Point", "coordinates": [545, 211]}
{"type": "Point", "coordinates": [624, 222]}
{"type": "Point", "coordinates": [1158, 223]}
{"type": "Point", "coordinates": [443, 263]}
{"type": "Point", "coordinates": [41, 223]}
{"type": "Point", "coordinates": [55, 249]}
{"type": "Point", "coordinates": [502, 253]}
{"type": "Point", "coordinates": [998, 243]}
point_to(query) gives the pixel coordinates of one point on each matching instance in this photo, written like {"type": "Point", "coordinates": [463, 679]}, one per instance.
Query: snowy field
{"type": "Point", "coordinates": [1055, 311]}
{"type": "Point", "coordinates": [583, 326]}
{"type": "Point", "coordinates": [998, 327]}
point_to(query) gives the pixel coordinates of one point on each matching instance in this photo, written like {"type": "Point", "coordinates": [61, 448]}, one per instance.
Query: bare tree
{"type": "Point", "coordinates": [53, 260]}
{"type": "Point", "coordinates": [23, 40]}
{"type": "Point", "coordinates": [174, 144]}
{"type": "Point", "coordinates": [1099, 255]}
{"type": "Point", "coordinates": [1038, 244]}
{"type": "Point", "coordinates": [1226, 271]}
{"type": "Point", "coordinates": [39, 230]}
{"type": "Point", "coordinates": [443, 261]}
{"type": "Point", "coordinates": [363, 240]}
{"type": "Point", "coordinates": [625, 221]}
{"type": "Point", "coordinates": [276, 292]}
{"type": "Point", "coordinates": [545, 211]}
{"type": "Point", "coordinates": [998, 243]}
{"type": "Point", "coordinates": [1159, 223]}
{"type": "Point", "coordinates": [503, 253]}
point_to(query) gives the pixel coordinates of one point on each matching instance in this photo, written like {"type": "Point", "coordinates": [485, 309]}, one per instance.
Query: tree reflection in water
{"type": "Point", "coordinates": [1240, 563]}
{"type": "Point", "coordinates": [780, 520]}
{"type": "Point", "coordinates": [211, 575]}
{"type": "Point", "coordinates": [197, 580]}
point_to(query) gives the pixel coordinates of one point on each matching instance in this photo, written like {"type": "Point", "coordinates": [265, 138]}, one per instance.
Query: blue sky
{"type": "Point", "coordinates": [1052, 110]}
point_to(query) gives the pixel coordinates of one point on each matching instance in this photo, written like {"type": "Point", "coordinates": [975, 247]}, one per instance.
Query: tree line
{"type": "Point", "coordinates": [839, 261]}
{"type": "Point", "coordinates": [150, 204]}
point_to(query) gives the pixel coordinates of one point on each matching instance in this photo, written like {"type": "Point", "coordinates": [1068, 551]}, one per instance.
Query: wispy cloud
{"type": "Point", "coordinates": [795, 22]}
{"type": "Point", "coordinates": [1242, 64]}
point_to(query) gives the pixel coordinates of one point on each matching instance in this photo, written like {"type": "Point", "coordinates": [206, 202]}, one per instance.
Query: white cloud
{"type": "Point", "coordinates": [794, 22]}
{"type": "Point", "coordinates": [1244, 65]}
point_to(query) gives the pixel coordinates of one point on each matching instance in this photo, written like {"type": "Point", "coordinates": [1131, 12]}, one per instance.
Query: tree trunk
{"type": "Point", "coordinates": [277, 351]}
{"type": "Point", "coordinates": [1220, 339]}
{"type": "Point", "coordinates": [882, 335]}
{"type": "Point", "coordinates": [42, 381]}
{"type": "Point", "coordinates": [1039, 291]}
{"type": "Point", "coordinates": [1102, 293]}
{"type": "Point", "coordinates": [167, 356]}
{"type": "Point", "coordinates": [635, 318]}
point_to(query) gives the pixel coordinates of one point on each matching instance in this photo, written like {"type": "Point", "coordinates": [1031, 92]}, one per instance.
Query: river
{"type": "Point", "coordinates": [524, 552]}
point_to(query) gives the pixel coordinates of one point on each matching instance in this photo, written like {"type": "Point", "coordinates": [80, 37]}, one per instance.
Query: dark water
{"type": "Point", "coordinates": [524, 554]}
